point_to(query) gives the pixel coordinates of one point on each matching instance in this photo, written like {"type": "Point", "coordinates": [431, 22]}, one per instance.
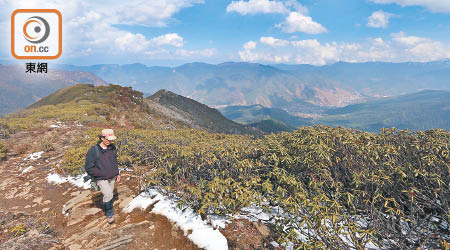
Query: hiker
{"type": "Point", "coordinates": [101, 164]}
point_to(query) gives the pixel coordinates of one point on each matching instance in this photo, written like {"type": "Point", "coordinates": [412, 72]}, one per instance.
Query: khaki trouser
{"type": "Point", "coordinates": [107, 188]}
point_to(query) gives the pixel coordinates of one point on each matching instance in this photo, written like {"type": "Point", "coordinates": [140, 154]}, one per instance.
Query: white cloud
{"type": "Point", "coordinates": [257, 6]}
{"type": "Point", "coordinates": [92, 27]}
{"type": "Point", "coordinates": [132, 42]}
{"type": "Point", "coordinates": [143, 12]}
{"type": "Point", "coordinates": [297, 22]}
{"type": "Point", "coordinates": [423, 49]}
{"type": "Point", "coordinates": [297, 19]}
{"type": "Point", "coordinates": [202, 53]}
{"type": "Point", "coordinates": [379, 19]}
{"type": "Point", "coordinates": [172, 39]}
{"type": "Point", "coordinates": [273, 41]}
{"type": "Point", "coordinates": [442, 6]}
{"type": "Point", "coordinates": [399, 48]}
{"type": "Point", "coordinates": [401, 38]}
{"type": "Point", "coordinates": [249, 45]}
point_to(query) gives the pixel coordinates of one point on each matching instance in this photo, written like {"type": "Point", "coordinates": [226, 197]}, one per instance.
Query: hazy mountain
{"type": "Point", "coordinates": [298, 89]}
{"type": "Point", "coordinates": [20, 89]}
{"type": "Point", "coordinates": [426, 109]}
{"type": "Point", "coordinates": [257, 113]}
{"type": "Point", "coordinates": [229, 84]}
{"type": "Point", "coordinates": [378, 78]}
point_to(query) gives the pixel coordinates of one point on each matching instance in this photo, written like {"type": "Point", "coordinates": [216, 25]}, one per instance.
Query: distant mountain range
{"type": "Point", "coordinates": [20, 89]}
{"type": "Point", "coordinates": [278, 97]}
{"type": "Point", "coordinates": [298, 89]}
{"type": "Point", "coordinates": [428, 109]}
{"type": "Point", "coordinates": [258, 115]}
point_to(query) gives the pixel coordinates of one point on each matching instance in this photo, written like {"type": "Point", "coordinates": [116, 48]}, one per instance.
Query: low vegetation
{"type": "Point", "coordinates": [326, 188]}
{"type": "Point", "coordinates": [3, 150]}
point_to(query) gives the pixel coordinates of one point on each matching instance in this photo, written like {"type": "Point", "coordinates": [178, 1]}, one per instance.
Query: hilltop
{"type": "Point", "coordinates": [20, 89]}
{"type": "Point", "coordinates": [196, 114]}
{"type": "Point", "coordinates": [114, 105]}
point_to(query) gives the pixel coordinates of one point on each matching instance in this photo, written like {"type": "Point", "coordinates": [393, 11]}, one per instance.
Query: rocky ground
{"type": "Point", "coordinates": [37, 215]}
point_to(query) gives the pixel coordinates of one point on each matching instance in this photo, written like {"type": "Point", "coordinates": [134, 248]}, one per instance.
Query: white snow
{"type": "Point", "coordinates": [34, 156]}
{"type": "Point", "coordinates": [78, 181]}
{"type": "Point", "coordinates": [202, 234]}
{"type": "Point", "coordinates": [57, 125]}
{"type": "Point", "coordinates": [28, 169]}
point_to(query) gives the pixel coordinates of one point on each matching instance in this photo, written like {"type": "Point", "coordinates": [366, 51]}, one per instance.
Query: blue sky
{"type": "Point", "coordinates": [173, 32]}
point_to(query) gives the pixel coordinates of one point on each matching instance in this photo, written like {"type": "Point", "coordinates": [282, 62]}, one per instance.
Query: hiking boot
{"type": "Point", "coordinates": [111, 219]}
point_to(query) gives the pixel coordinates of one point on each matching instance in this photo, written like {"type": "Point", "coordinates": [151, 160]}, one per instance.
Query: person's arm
{"type": "Point", "coordinates": [89, 164]}
{"type": "Point", "coordinates": [115, 158]}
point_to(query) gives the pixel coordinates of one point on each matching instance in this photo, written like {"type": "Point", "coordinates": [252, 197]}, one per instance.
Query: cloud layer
{"type": "Point", "coordinates": [399, 48]}
{"type": "Point", "coordinates": [442, 6]}
{"type": "Point", "coordinates": [92, 28]}
{"type": "Point", "coordinates": [296, 19]}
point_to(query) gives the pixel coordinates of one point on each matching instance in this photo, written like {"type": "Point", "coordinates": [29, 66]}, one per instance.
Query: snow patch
{"type": "Point", "coordinates": [34, 156]}
{"type": "Point", "coordinates": [57, 125]}
{"type": "Point", "coordinates": [26, 170]}
{"type": "Point", "coordinates": [78, 181]}
{"type": "Point", "coordinates": [202, 234]}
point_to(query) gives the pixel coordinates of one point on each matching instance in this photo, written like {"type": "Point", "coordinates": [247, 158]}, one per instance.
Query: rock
{"type": "Point", "coordinates": [76, 193]}
{"type": "Point", "coordinates": [47, 202]}
{"type": "Point", "coordinates": [78, 215]}
{"type": "Point", "coordinates": [38, 200]}
{"type": "Point", "coordinates": [125, 202]}
{"type": "Point", "coordinates": [27, 206]}
{"type": "Point", "coordinates": [122, 241]}
{"type": "Point", "coordinates": [45, 209]}
{"type": "Point", "coordinates": [31, 240]}
{"type": "Point", "coordinates": [262, 229]}
{"type": "Point", "coordinates": [92, 224]}
{"type": "Point", "coordinates": [72, 238]}
{"type": "Point", "coordinates": [74, 247]}
{"type": "Point", "coordinates": [82, 197]}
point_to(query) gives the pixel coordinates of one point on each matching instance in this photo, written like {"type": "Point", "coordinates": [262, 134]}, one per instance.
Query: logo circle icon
{"type": "Point", "coordinates": [32, 29]}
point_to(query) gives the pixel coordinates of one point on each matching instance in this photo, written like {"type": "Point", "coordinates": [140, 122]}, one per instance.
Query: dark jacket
{"type": "Point", "coordinates": [105, 167]}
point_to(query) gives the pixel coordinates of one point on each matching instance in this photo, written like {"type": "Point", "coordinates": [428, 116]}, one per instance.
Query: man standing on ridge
{"type": "Point", "coordinates": [101, 164]}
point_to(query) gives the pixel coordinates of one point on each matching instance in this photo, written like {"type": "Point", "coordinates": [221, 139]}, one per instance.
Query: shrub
{"type": "Point", "coordinates": [337, 188]}
{"type": "Point", "coordinates": [3, 150]}
{"type": "Point", "coordinates": [18, 230]}
{"type": "Point", "coordinates": [46, 145]}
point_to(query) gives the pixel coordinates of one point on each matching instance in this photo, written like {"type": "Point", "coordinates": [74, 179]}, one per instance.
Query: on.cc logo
{"type": "Point", "coordinates": [36, 34]}
{"type": "Point", "coordinates": [36, 29]}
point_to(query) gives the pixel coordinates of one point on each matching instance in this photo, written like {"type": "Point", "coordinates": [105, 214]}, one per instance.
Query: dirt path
{"type": "Point", "coordinates": [31, 209]}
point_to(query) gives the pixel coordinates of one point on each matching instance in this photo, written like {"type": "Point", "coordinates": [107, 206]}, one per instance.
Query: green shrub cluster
{"type": "Point", "coordinates": [66, 112]}
{"type": "Point", "coordinates": [337, 188]}
{"type": "Point", "coordinates": [3, 150]}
